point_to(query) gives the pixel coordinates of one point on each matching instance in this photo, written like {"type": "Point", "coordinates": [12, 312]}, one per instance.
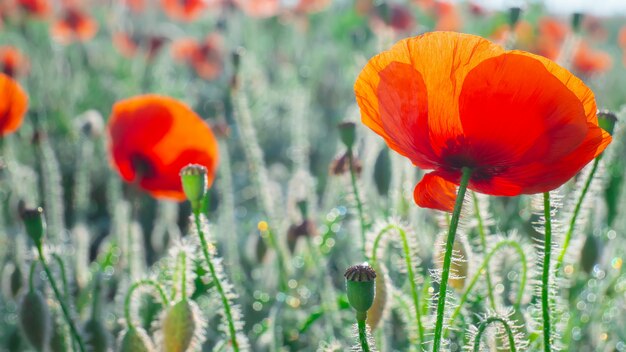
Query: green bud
{"type": "Point", "coordinates": [179, 326]}
{"type": "Point", "coordinates": [135, 340]}
{"type": "Point", "coordinates": [382, 172]}
{"type": "Point", "coordinates": [577, 19]}
{"type": "Point", "coordinates": [35, 224]}
{"type": "Point", "coordinates": [607, 120]}
{"type": "Point", "coordinates": [59, 341]}
{"type": "Point", "coordinates": [35, 320]}
{"type": "Point", "coordinates": [347, 133]}
{"type": "Point", "coordinates": [590, 253]}
{"type": "Point", "coordinates": [514, 15]}
{"type": "Point", "coordinates": [193, 178]}
{"type": "Point", "coordinates": [361, 287]}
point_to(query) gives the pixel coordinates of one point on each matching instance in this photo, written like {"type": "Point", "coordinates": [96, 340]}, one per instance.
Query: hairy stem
{"type": "Point", "coordinates": [360, 320]}
{"type": "Point", "coordinates": [218, 285]}
{"type": "Point", "coordinates": [483, 241]}
{"type": "Point", "coordinates": [409, 265]}
{"type": "Point", "coordinates": [59, 297]}
{"type": "Point", "coordinates": [483, 326]}
{"type": "Point", "coordinates": [443, 287]}
{"type": "Point", "coordinates": [572, 223]}
{"type": "Point", "coordinates": [131, 291]}
{"type": "Point", "coordinates": [545, 280]}
{"type": "Point", "coordinates": [357, 199]}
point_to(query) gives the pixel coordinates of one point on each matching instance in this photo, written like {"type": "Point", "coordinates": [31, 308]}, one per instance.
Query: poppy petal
{"type": "Point", "coordinates": [435, 192]}
{"type": "Point", "coordinates": [13, 105]}
{"type": "Point", "coordinates": [442, 75]}
{"type": "Point", "coordinates": [509, 116]}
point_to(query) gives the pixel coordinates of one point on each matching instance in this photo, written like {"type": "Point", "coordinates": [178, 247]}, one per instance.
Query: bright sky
{"type": "Point", "coordinates": [596, 7]}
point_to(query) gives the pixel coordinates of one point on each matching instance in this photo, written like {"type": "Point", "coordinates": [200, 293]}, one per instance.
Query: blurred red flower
{"type": "Point", "coordinates": [449, 101]}
{"type": "Point", "coordinates": [391, 17]}
{"type": "Point", "coordinates": [311, 6]}
{"type": "Point", "coordinates": [621, 41]}
{"type": "Point", "coordinates": [12, 62]}
{"type": "Point", "coordinates": [204, 57]}
{"type": "Point", "coordinates": [259, 8]}
{"type": "Point", "coordinates": [13, 105]}
{"type": "Point", "coordinates": [588, 61]}
{"type": "Point", "coordinates": [152, 137]}
{"type": "Point", "coordinates": [184, 10]}
{"type": "Point", "coordinates": [136, 6]}
{"type": "Point", "coordinates": [37, 8]}
{"type": "Point", "coordinates": [74, 25]}
{"type": "Point", "coordinates": [448, 17]}
{"type": "Point", "coordinates": [130, 45]}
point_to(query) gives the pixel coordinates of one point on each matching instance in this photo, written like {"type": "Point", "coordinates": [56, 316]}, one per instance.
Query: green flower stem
{"type": "Point", "coordinates": [545, 280]}
{"type": "Point", "coordinates": [218, 284]}
{"type": "Point", "coordinates": [454, 223]}
{"type": "Point", "coordinates": [31, 275]}
{"type": "Point", "coordinates": [483, 326]}
{"type": "Point", "coordinates": [357, 199]}
{"type": "Point", "coordinates": [522, 287]}
{"type": "Point", "coordinates": [129, 295]}
{"type": "Point", "coordinates": [409, 265]}
{"type": "Point", "coordinates": [282, 270]}
{"type": "Point", "coordinates": [183, 277]}
{"type": "Point", "coordinates": [483, 241]}
{"type": "Point", "coordinates": [59, 297]}
{"type": "Point", "coordinates": [66, 287]}
{"type": "Point", "coordinates": [360, 320]}
{"type": "Point", "coordinates": [572, 223]}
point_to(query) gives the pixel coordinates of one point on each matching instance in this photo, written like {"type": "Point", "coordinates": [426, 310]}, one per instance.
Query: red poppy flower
{"type": "Point", "coordinates": [12, 61]}
{"type": "Point", "coordinates": [129, 45]}
{"type": "Point", "coordinates": [588, 61]}
{"type": "Point", "coordinates": [449, 101]}
{"type": "Point", "coordinates": [152, 137]}
{"type": "Point", "coordinates": [259, 8]}
{"type": "Point", "coordinates": [311, 6]}
{"type": "Point", "coordinates": [37, 8]}
{"type": "Point", "coordinates": [13, 105]}
{"type": "Point", "coordinates": [448, 17]}
{"type": "Point", "coordinates": [183, 10]}
{"type": "Point", "coordinates": [74, 25]}
{"type": "Point", "coordinates": [205, 57]}
{"type": "Point", "coordinates": [621, 40]}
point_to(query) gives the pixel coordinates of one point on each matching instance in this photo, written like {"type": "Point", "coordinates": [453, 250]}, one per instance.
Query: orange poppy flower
{"type": "Point", "coordinates": [129, 45]}
{"type": "Point", "coordinates": [449, 101]}
{"type": "Point", "coordinates": [13, 105]}
{"type": "Point", "coordinates": [74, 25]}
{"type": "Point", "coordinates": [588, 61]}
{"type": "Point", "coordinates": [37, 8]}
{"type": "Point", "coordinates": [183, 10]}
{"type": "Point", "coordinates": [152, 137]}
{"type": "Point", "coordinates": [205, 57]}
{"type": "Point", "coordinates": [448, 17]}
{"type": "Point", "coordinates": [136, 6]}
{"type": "Point", "coordinates": [311, 6]}
{"type": "Point", "coordinates": [621, 37]}
{"type": "Point", "coordinates": [259, 8]}
{"type": "Point", "coordinates": [12, 61]}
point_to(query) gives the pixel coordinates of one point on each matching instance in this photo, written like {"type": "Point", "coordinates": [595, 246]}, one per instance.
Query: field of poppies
{"type": "Point", "coordinates": [311, 175]}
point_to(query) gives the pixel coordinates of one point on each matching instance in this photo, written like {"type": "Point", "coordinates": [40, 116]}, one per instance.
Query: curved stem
{"type": "Point", "coordinates": [31, 275]}
{"type": "Point", "coordinates": [360, 320]}
{"type": "Point", "coordinates": [572, 223]}
{"type": "Point", "coordinates": [218, 284]}
{"type": "Point", "coordinates": [443, 287]}
{"type": "Point", "coordinates": [545, 280]}
{"type": "Point", "coordinates": [66, 288]}
{"type": "Point", "coordinates": [57, 294]}
{"type": "Point", "coordinates": [483, 326]}
{"type": "Point", "coordinates": [409, 265]}
{"type": "Point", "coordinates": [483, 241]}
{"type": "Point", "coordinates": [357, 199]}
{"type": "Point", "coordinates": [129, 295]}
{"type": "Point", "coordinates": [485, 263]}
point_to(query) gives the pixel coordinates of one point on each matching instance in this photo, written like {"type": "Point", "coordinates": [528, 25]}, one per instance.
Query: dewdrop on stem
{"type": "Point", "coordinates": [193, 178]}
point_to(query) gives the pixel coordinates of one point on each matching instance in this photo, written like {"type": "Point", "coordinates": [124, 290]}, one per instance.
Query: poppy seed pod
{"type": "Point", "coordinates": [193, 178]}
{"type": "Point", "coordinates": [347, 133]}
{"type": "Point", "coordinates": [35, 224]}
{"type": "Point", "coordinates": [607, 120]}
{"type": "Point", "coordinates": [360, 287]}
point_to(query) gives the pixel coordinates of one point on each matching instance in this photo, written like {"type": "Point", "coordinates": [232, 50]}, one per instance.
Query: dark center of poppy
{"type": "Point", "coordinates": [144, 168]}
{"type": "Point", "coordinates": [457, 154]}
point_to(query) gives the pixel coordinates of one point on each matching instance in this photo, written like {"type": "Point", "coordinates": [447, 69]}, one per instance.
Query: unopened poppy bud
{"type": "Point", "coordinates": [607, 120]}
{"type": "Point", "coordinates": [193, 178]}
{"type": "Point", "coordinates": [35, 224]}
{"type": "Point", "coordinates": [577, 19]}
{"type": "Point", "coordinates": [179, 326]}
{"type": "Point", "coordinates": [135, 340]}
{"type": "Point", "coordinates": [347, 133]}
{"type": "Point", "coordinates": [96, 336]}
{"type": "Point", "coordinates": [590, 253]}
{"type": "Point", "coordinates": [514, 15]}
{"type": "Point", "coordinates": [35, 320]}
{"type": "Point", "coordinates": [360, 287]}
{"type": "Point", "coordinates": [59, 341]}
{"type": "Point", "coordinates": [382, 172]}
